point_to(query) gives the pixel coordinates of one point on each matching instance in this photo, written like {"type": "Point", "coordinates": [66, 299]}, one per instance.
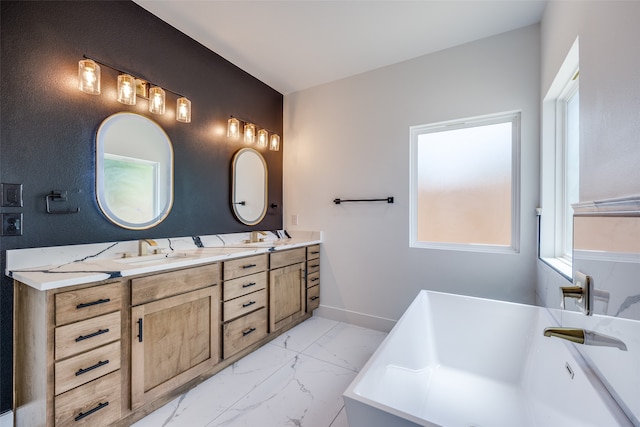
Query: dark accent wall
{"type": "Point", "coordinates": [48, 127]}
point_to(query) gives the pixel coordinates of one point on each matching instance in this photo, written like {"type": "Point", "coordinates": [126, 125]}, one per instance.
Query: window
{"type": "Point", "coordinates": [465, 184]}
{"type": "Point", "coordinates": [560, 164]}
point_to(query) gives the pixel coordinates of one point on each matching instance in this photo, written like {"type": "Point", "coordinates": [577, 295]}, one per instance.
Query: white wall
{"type": "Point", "coordinates": [350, 139]}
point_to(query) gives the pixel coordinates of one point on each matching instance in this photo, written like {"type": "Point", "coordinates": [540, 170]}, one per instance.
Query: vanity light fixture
{"type": "Point", "coordinates": [89, 77]}
{"type": "Point", "coordinates": [126, 89]}
{"type": "Point", "coordinates": [263, 138]}
{"type": "Point", "coordinates": [130, 88]}
{"type": "Point", "coordinates": [252, 133]}
{"type": "Point", "coordinates": [233, 128]}
{"type": "Point", "coordinates": [274, 144]}
{"type": "Point", "coordinates": [249, 133]}
{"type": "Point", "coordinates": [183, 110]}
{"type": "Point", "coordinates": [156, 100]}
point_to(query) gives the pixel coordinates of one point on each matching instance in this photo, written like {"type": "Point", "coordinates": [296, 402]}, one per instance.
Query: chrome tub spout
{"type": "Point", "coordinates": [582, 336]}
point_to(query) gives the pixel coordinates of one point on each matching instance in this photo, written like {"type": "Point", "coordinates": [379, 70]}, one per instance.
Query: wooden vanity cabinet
{"type": "Point", "coordinates": [286, 288]}
{"type": "Point", "coordinates": [174, 330]}
{"type": "Point", "coordinates": [68, 354]}
{"type": "Point", "coordinates": [244, 294]}
{"type": "Point", "coordinates": [313, 278]}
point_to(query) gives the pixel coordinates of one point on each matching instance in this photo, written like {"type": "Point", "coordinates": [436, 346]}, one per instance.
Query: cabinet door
{"type": "Point", "coordinates": [286, 295]}
{"type": "Point", "coordinates": [173, 340]}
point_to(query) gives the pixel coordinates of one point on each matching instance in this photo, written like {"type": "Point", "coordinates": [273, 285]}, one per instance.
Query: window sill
{"type": "Point", "coordinates": [562, 267]}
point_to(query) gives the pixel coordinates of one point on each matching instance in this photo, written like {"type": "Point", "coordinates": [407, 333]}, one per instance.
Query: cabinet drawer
{"type": "Point", "coordinates": [244, 331]}
{"type": "Point", "coordinates": [313, 252]}
{"type": "Point", "coordinates": [313, 298]}
{"type": "Point", "coordinates": [245, 266]}
{"type": "Point", "coordinates": [244, 304]}
{"type": "Point", "coordinates": [87, 366]}
{"type": "Point", "coordinates": [313, 266]}
{"type": "Point", "coordinates": [292, 256]}
{"type": "Point", "coordinates": [244, 285]}
{"type": "Point", "coordinates": [313, 279]}
{"type": "Point", "coordinates": [87, 334]}
{"type": "Point", "coordinates": [158, 286]}
{"type": "Point", "coordinates": [88, 302]}
{"type": "Point", "coordinates": [94, 404]}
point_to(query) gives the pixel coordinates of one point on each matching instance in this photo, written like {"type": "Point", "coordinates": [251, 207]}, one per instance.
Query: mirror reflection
{"type": "Point", "coordinates": [249, 186]}
{"type": "Point", "coordinates": [134, 171]}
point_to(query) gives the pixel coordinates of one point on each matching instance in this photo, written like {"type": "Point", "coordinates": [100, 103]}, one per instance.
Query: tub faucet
{"type": "Point", "coordinates": [144, 246]}
{"type": "Point", "coordinates": [582, 336]}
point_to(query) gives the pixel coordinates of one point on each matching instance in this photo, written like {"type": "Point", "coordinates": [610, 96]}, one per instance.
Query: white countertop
{"type": "Point", "coordinates": [86, 266]}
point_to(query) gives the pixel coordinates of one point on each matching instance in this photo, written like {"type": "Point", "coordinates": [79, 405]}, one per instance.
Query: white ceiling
{"type": "Point", "coordinates": [297, 44]}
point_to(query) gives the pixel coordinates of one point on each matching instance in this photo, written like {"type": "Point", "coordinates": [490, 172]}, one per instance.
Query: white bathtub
{"type": "Point", "coordinates": [457, 361]}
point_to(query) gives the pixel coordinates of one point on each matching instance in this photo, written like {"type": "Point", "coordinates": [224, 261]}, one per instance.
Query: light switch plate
{"type": "Point", "coordinates": [11, 195]}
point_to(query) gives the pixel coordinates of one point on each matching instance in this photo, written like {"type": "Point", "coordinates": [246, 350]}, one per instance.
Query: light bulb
{"type": "Point", "coordinates": [126, 89]}
{"type": "Point", "coordinates": [274, 145]}
{"type": "Point", "coordinates": [233, 128]}
{"type": "Point", "coordinates": [263, 138]}
{"type": "Point", "coordinates": [249, 133]}
{"type": "Point", "coordinates": [156, 100]}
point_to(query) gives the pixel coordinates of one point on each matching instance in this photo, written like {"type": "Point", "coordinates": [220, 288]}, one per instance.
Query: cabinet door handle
{"type": "Point", "coordinates": [91, 368]}
{"type": "Point", "coordinates": [248, 331]}
{"type": "Point", "coordinates": [89, 304]}
{"type": "Point", "coordinates": [248, 285]}
{"type": "Point", "coordinates": [313, 298]}
{"type": "Point", "coordinates": [249, 266]}
{"type": "Point", "coordinates": [247, 304]}
{"type": "Point", "coordinates": [139, 322]}
{"type": "Point", "coordinates": [82, 415]}
{"type": "Point", "coordinates": [95, 334]}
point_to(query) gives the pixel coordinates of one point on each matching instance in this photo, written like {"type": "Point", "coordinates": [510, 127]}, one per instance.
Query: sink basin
{"type": "Point", "coordinates": [153, 259]}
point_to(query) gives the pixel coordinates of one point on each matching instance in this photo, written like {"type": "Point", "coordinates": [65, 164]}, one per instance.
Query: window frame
{"type": "Point", "coordinates": [514, 117]}
{"type": "Point", "coordinates": [553, 241]}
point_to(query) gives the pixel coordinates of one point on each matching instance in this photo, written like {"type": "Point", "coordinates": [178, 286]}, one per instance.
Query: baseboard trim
{"type": "Point", "coordinates": [354, 318]}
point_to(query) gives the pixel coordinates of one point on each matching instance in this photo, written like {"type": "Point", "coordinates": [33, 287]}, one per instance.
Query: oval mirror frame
{"type": "Point", "coordinates": [249, 186]}
{"type": "Point", "coordinates": [134, 171]}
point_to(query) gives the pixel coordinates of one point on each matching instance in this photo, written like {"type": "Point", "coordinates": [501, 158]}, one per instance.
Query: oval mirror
{"type": "Point", "coordinates": [249, 186]}
{"type": "Point", "coordinates": [134, 171]}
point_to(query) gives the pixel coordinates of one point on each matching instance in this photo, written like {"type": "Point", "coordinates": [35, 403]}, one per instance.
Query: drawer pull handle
{"type": "Point", "coordinates": [82, 415]}
{"type": "Point", "coordinates": [89, 304]}
{"type": "Point", "coordinates": [313, 298]}
{"type": "Point", "coordinates": [249, 266]}
{"type": "Point", "coordinates": [315, 252]}
{"type": "Point", "coordinates": [248, 285]}
{"type": "Point", "coordinates": [95, 334]}
{"type": "Point", "coordinates": [315, 279]}
{"type": "Point", "coordinates": [91, 368]}
{"type": "Point", "coordinates": [314, 266]}
{"type": "Point", "coordinates": [248, 304]}
{"type": "Point", "coordinates": [139, 322]}
{"type": "Point", "coordinates": [248, 331]}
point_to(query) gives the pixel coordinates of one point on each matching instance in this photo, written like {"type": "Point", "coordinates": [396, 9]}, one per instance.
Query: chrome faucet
{"type": "Point", "coordinates": [582, 336]}
{"type": "Point", "coordinates": [145, 245]}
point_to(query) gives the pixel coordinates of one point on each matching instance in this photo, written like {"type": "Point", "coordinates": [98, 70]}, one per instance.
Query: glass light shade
{"type": "Point", "coordinates": [183, 110]}
{"type": "Point", "coordinates": [89, 77]}
{"type": "Point", "coordinates": [274, 144]}
{"type": "Point", "coordinates": [249, 133]}
{"type": "Point", "coordinates": [126, 89]}
{"type": "Point", "coordinates": [156, 100]}
{"type": "Point", "coordinates": [233, 128]}
{"type": "Point", "coordinates": [263, 138]}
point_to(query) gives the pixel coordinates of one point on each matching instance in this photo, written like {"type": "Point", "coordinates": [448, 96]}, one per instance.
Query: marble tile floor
{"type": "Point", "coordinates": [295, 380]}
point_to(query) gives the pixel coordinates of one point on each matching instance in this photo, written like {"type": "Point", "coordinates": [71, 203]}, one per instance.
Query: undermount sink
{"type": "Point", "coordinates": [152, 259]}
